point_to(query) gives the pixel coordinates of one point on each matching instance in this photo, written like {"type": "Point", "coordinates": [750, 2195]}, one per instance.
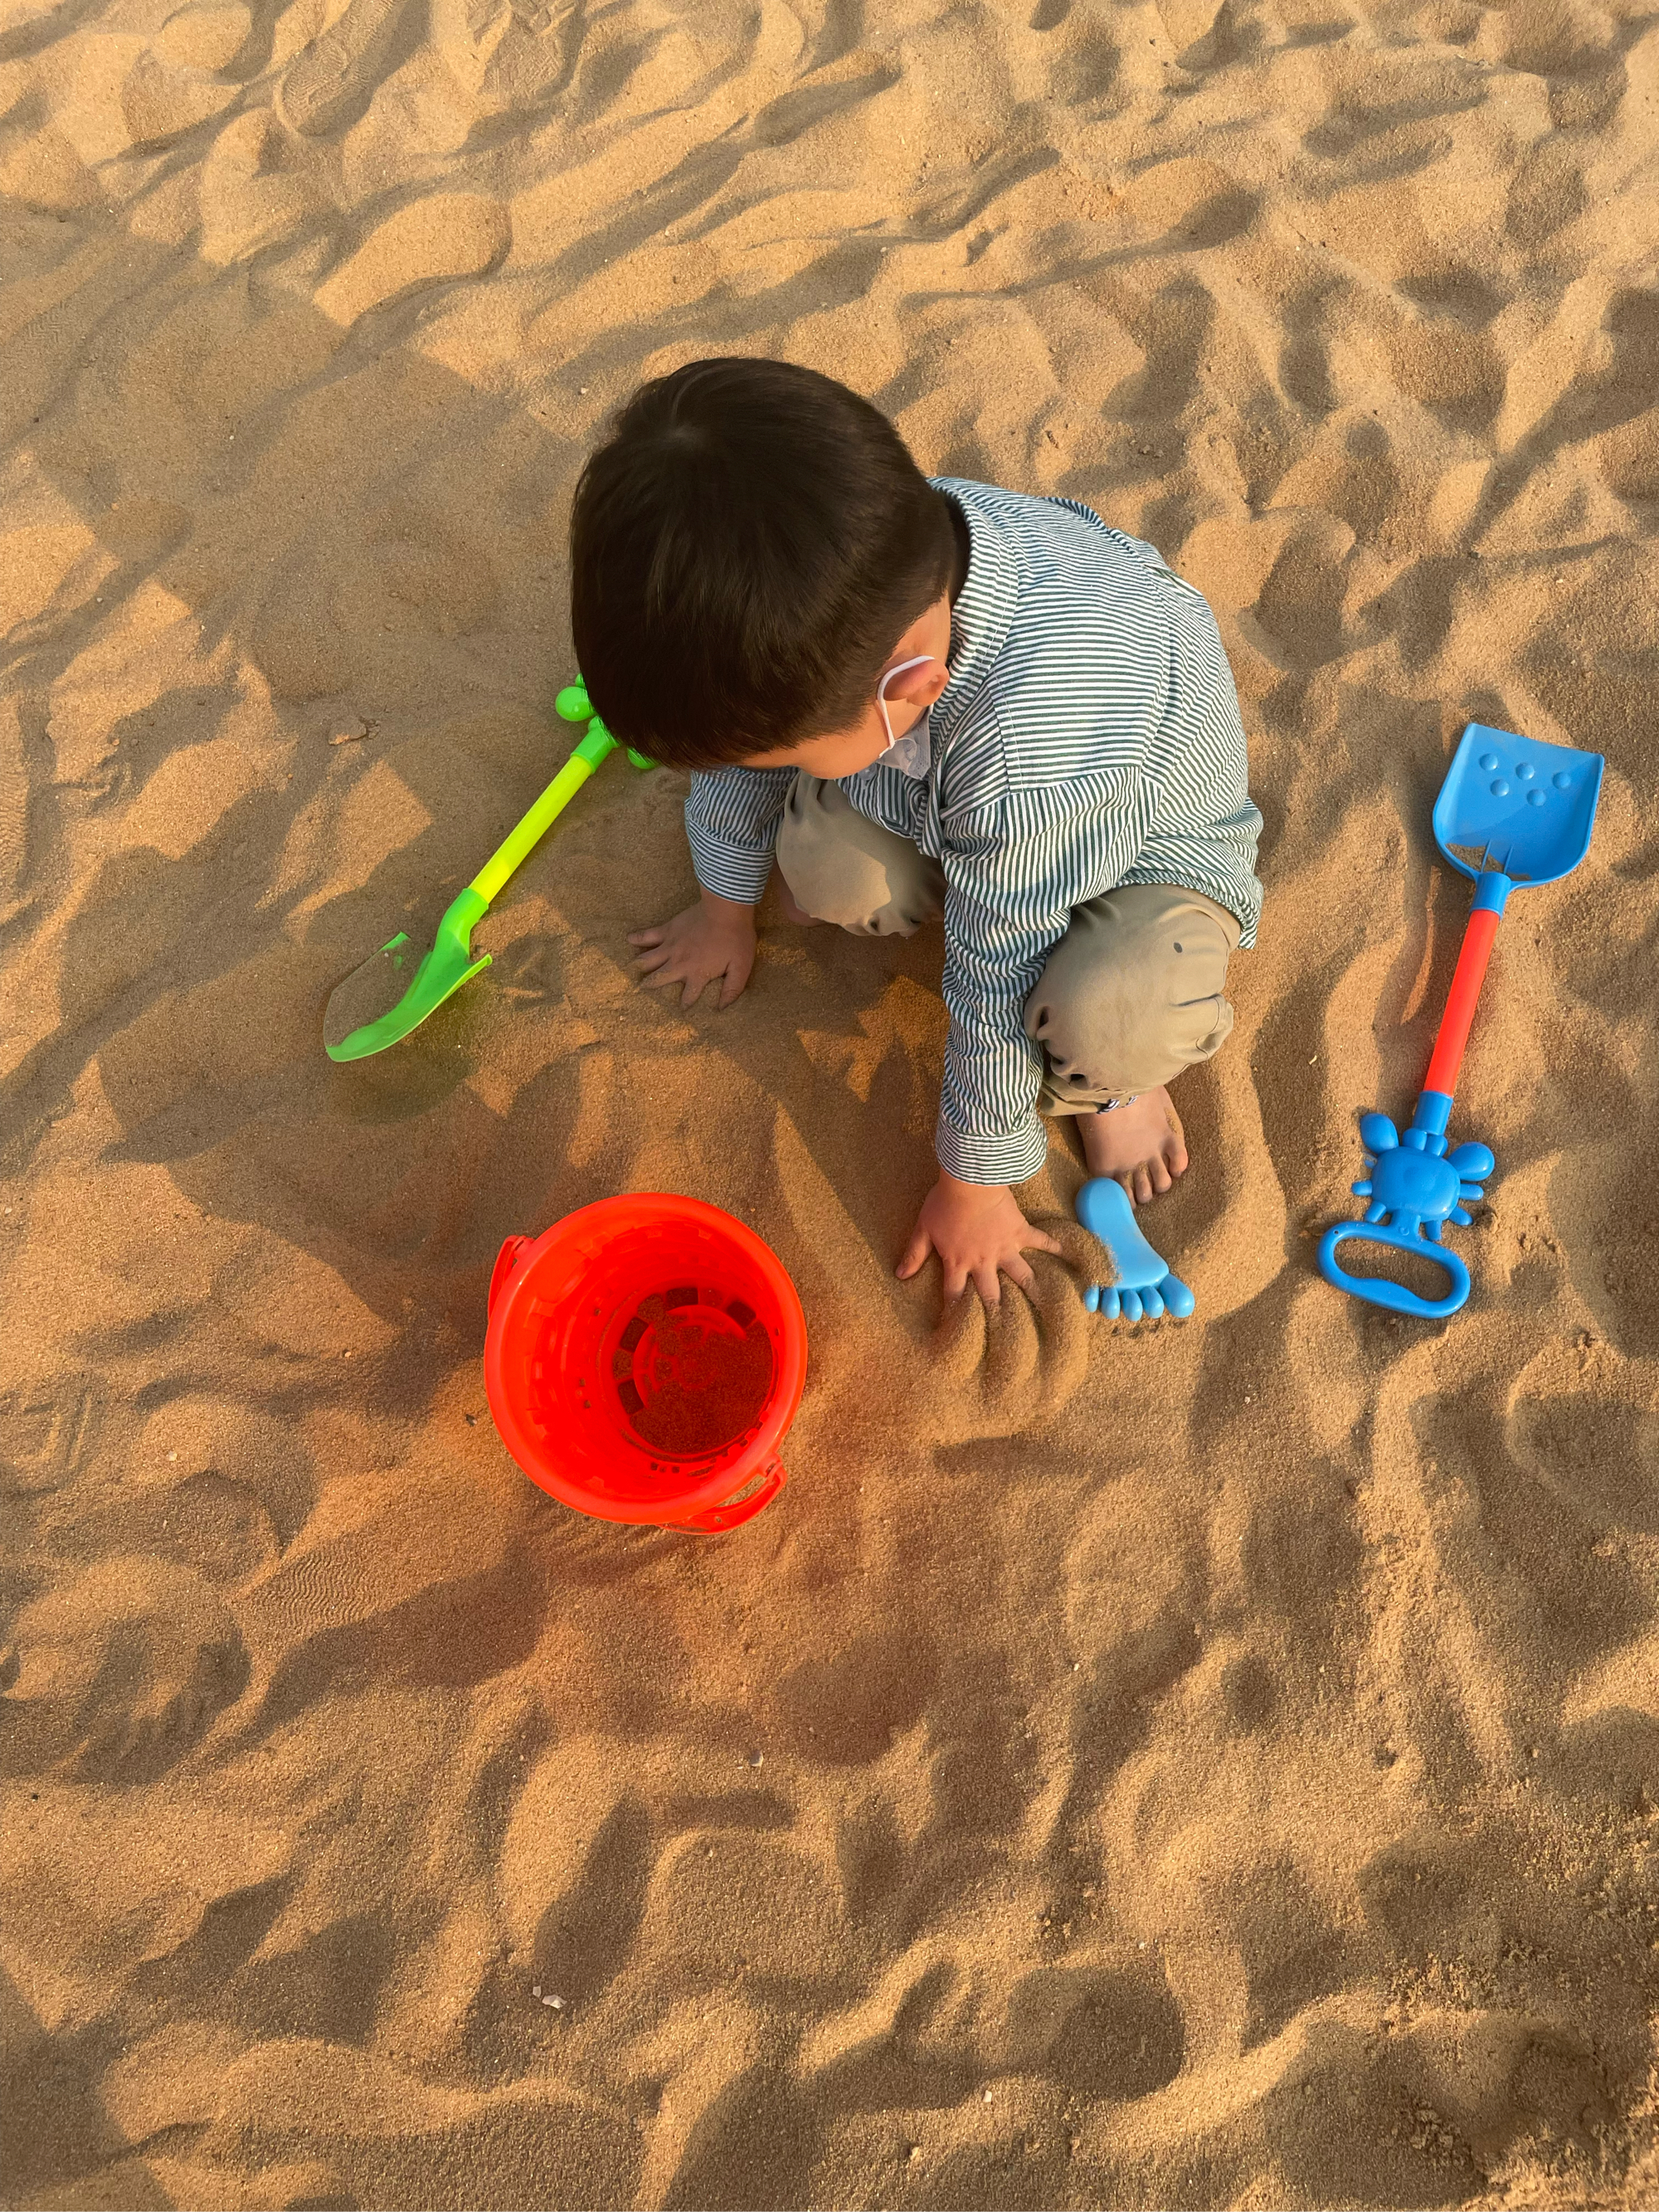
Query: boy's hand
{"type": "Point", "coordinates": [716, 938]}
{"type": "Point", "coordinates": [978, 1230]}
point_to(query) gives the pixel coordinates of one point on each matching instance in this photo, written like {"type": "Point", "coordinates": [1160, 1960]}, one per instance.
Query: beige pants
{"type": "Point", "coordinates": [1133, 992]}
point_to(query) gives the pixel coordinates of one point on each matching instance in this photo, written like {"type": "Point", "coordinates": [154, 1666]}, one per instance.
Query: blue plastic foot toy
{"type": "Point", "coordinates": [1144, 1289]}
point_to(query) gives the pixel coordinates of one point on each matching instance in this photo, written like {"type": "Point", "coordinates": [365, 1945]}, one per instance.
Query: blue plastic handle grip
{"type": "Point", "coordinates": [1378, 1290]}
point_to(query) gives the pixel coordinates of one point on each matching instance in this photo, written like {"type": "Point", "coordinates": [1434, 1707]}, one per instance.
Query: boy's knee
{"type": "Point", "coordinates": [1134, 992]}
{"type": "Point", "coordinates": [843, 868]}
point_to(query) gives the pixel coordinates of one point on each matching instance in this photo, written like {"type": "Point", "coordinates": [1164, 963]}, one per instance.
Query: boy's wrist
{"type": "Point", "coordinates": [954, 1182]}
{"type": "Point", "coordinates": [725, 908]}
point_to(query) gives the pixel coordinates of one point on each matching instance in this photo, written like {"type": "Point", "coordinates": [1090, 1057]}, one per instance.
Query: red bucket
{"type": "Point", "coordinates": [645, 1358]}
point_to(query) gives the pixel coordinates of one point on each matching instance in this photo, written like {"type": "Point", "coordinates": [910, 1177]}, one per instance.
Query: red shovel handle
{"type": "Point", "coordinates": [1448, 1057]}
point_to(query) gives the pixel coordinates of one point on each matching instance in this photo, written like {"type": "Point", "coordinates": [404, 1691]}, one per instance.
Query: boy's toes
{"type": "Point", "coordinates": [1174, 1151]}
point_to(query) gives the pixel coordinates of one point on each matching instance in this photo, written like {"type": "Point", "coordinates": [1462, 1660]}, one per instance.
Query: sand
{"type": "Point", "coordinates": [1213, 1765]}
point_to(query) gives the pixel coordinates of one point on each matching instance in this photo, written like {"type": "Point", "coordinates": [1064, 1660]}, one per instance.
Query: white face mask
{"type": "Point", "coordinates": [912, 753]}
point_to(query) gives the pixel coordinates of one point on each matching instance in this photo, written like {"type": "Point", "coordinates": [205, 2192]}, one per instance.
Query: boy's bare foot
{"type": "Point", "coordinates": [1141, 1146]}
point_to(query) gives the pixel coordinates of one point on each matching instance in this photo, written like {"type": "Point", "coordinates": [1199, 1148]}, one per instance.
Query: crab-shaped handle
{"type": "Point", "coordinates": [1419, 1188]}
{"type": "Point", "coordinates": [1415, 1187]}
{"type": "Point", "coordinates": [1143, 1289]}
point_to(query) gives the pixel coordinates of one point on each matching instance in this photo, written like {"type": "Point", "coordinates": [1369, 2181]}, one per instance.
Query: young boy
{"type": "Point", "coordinates": [913, 695]}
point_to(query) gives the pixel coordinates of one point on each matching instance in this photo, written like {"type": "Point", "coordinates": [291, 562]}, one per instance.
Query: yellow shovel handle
{"type": "Point", "coordinates": [536, 825]}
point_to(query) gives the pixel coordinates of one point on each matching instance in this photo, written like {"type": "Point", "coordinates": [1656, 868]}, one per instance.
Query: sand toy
{"type": "Point", "coordinates": [385, 997]}
{"type": "Point", "coordinates": [1510, 813]}
{"type": "Point", "coordinates": [644, 1360]}
{"type": "Point", "coordinates": [1144, 1289]}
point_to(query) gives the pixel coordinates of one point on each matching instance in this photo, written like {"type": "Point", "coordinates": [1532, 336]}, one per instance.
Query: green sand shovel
{"type": "Point", "coordinates": [382, 1000]}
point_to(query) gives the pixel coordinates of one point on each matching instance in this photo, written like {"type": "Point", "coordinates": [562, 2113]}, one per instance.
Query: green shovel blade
{"type": "Point", "coordinates": [378, 1004]}
{"type": "Point", "coordinates": [349, 1036]}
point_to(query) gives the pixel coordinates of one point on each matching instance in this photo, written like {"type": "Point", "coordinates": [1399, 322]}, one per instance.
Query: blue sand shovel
{"type": "Point", "coordinates": [1510, 813]}
{"type": "Point", "coordinates": [1144, 1289]}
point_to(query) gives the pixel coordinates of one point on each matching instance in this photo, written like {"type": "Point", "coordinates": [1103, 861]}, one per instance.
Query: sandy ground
{"type": "Point", "coordinates": [1213, 1766]}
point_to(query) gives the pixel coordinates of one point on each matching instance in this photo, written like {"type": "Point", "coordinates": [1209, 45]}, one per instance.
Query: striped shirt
{"type": "Point", "coordinates": [1089, 737]}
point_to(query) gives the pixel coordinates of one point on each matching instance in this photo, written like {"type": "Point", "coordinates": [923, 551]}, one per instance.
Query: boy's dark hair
{"type": "Point", "coordinates": [745, 551]}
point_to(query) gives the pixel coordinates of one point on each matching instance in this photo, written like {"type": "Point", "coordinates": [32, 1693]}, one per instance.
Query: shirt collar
{"type": "Point", "coordinates": [984, 608]}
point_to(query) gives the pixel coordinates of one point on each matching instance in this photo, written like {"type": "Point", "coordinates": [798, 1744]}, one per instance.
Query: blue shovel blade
{"type": "Point", "coordinates": [1510, 804]}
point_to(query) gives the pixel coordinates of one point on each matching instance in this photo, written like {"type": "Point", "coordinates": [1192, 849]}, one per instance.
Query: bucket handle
{"type": "Point", "coordinates": [720, 1518]}
{"type": "Point", "coordinates": [506, 1260]}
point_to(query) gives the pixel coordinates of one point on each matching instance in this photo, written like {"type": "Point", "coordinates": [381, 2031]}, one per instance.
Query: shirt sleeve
{"type": "Point", "coordinates": [1204, 831]}
{"type": "Point", "coordinates": [732, 817]}
{"type": "Point", "coordinates": [1008, 900]}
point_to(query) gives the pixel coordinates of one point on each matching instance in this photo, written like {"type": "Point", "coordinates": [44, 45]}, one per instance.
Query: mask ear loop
{"type": "Point", "coordinates": [918, 661]}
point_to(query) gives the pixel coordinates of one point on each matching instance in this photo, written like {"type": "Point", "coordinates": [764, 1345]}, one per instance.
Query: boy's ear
{"type": "Point", "coordinates": [920, 687]}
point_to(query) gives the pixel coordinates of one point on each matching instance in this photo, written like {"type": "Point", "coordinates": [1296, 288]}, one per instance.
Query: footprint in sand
{"type": "Point", "coordinates": [509, 54]}
{"type": "Point", "coordinates": [329, 84]}
{"type": "Point", "coordinates": [435, 240]}
{"type": "Point", "coordinates": [46, 1437]}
